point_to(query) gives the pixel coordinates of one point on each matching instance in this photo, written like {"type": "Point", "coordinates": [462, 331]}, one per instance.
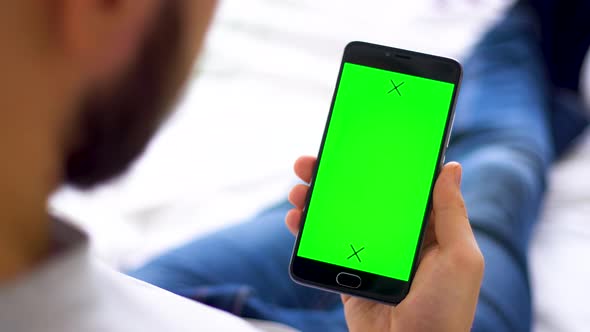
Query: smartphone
{"type": "Point", "coordinates": [370, 197]}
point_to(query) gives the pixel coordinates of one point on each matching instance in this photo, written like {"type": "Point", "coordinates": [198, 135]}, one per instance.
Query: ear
{"type": "Point", "coordinates": [102, 37]}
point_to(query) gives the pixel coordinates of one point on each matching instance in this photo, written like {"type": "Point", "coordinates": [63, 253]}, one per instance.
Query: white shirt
{"type": "Point", "coordinates": [73, 293]}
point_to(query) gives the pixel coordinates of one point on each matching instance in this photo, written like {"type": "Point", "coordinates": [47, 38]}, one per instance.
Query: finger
{"type": "Point", "coordinates": [345, 298]}
{"type": "Point", "coordinates": [429, 234]}
{"type": "Point", "coordinates": [452, 225]}
{"type": "Point", "coordinates": [298, 195]}
{"type": "Point", "coordinates": [429, 241]}
{"type": "Point", "coordinates": [304, 168]}
{"type": "Point", "coordinates": [293, 220]}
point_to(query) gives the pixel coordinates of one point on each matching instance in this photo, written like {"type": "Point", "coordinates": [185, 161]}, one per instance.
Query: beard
{"type": "Point", "coordinates": [115, 124]}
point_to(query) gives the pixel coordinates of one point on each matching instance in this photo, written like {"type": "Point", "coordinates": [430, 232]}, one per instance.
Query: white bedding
{"type": "Point", "coordinates": [260, 100]}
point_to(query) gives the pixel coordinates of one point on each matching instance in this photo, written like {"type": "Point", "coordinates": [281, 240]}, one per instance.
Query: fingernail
{"type": "Point", "coordinates": [458, 173]}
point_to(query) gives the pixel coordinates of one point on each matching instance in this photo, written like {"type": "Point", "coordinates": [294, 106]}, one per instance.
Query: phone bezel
{"type": "Point", "coordinates": [323, 275]}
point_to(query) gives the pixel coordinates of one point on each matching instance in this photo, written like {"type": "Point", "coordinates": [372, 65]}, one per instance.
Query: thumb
{"type": "Point", "coordinates": [451, 222]}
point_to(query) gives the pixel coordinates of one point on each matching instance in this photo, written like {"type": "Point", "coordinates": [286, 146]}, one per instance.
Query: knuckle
{"type": "Point", "coordinates": [461, 208]}
{"type": "Point", "coordinates": [469, 259]}
{"type": "Point", "coordinates": [456, 207]}
{"type": "Point", "coordinates": [479, 262]}
{"type": "Point", "coordinates": [453, 211]}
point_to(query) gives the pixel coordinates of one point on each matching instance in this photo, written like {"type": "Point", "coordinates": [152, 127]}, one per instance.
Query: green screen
{"type": "Point", "coordinates": [376, 169]}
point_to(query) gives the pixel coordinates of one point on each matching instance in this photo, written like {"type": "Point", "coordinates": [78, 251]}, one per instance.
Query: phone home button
{"type": "Point", "coordinates": [348, 280]}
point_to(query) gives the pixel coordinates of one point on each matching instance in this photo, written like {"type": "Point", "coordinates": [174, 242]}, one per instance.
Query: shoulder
{"type": "Point", "coordinates": [135, 305]}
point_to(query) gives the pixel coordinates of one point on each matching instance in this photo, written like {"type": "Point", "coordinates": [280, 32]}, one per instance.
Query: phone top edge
{"type": "Point", "coordinates": [404, 61]}
{"type": "Point", "coordinates": [362, 44]}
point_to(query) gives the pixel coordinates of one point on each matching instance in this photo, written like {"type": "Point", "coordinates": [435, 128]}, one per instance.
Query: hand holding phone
{"type": "Point", "coordinates": [446, 285]}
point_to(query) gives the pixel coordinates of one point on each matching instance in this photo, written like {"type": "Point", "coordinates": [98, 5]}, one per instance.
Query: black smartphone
{"type": "Point", "coordinates": [370, 197]}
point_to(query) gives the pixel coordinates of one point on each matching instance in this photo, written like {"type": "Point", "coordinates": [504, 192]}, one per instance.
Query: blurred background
{"type": "Point", "coordinates": [259, 99]}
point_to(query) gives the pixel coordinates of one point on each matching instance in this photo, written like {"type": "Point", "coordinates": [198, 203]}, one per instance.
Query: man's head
{"type": "Point", "coordinates": [113, 69]}
{"type": "Point", "coordinates": [83, 86]}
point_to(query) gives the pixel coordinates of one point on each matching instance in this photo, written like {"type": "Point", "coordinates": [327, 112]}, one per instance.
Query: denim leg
{"type": "Point", "coordinates": [244, 270]}
{"type": "Point", "coordinates": [501, 136]}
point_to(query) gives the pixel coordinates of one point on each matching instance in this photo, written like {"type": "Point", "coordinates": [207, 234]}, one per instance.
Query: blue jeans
{"type": "Point", "coordinates": [502, 138]}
